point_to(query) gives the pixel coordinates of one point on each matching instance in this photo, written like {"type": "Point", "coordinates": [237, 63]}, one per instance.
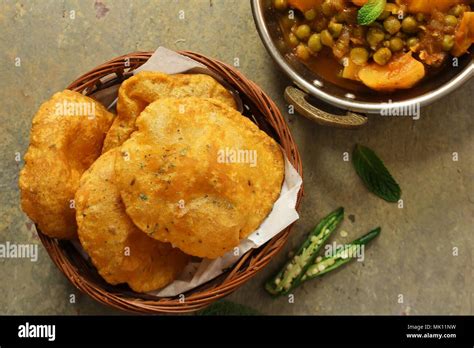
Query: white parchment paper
{"type": "Point", "coordinates": [283, 214]}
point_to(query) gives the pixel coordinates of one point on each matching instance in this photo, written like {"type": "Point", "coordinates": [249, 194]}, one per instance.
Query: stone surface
{"type": "Point", "coordinates": [414, 255]}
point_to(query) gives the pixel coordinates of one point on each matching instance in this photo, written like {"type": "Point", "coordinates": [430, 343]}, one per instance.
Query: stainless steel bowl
{"type": "Point", "coordinates": [354, 102]}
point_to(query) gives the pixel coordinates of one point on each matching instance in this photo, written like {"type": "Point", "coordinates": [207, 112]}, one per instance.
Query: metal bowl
{"type": "Point", "coordinates": [351, 102]}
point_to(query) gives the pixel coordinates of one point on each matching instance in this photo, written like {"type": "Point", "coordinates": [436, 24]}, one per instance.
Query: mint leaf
{"type": "Point", "coordinates": [227, 308]}
{"type": "Point", "coordinates": [374, 174]}
{"type": "Point", "coordinates": [370, 11]}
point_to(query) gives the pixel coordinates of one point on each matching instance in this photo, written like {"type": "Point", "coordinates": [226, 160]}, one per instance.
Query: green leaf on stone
{"type": "Point", "coordinates": [374, 174]}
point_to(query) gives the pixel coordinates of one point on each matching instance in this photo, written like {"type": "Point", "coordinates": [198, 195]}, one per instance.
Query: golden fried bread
{"type": "Point", "coordinates": [146, 87]}
{"type": "Point", "coordinates": [119, 250]}
{"type": "Point", "coordinates": [198, 174]}
{"type": "Point", "coordinates": [66, 138]}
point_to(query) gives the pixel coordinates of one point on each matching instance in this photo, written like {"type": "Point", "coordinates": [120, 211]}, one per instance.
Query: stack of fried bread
{"type": "Point", "coordinates": [178, 172]}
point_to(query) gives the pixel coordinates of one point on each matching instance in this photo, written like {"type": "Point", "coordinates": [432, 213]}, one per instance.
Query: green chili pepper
{"type": "Point", "coordinates": [290, 275]}
{"type": "Point", "coordinates": [341, 257]}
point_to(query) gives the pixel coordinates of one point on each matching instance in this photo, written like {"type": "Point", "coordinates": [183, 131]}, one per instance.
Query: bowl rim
{"type": "Point", "coordinates": [367, 107]}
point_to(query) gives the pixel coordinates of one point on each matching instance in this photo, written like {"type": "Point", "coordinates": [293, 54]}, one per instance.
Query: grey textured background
{"type": "Point", "coordinates": [413, 256]}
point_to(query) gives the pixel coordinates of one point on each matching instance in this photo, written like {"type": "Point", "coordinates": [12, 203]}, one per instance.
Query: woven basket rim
{"type": "Point", "coordinates": [247, 266]}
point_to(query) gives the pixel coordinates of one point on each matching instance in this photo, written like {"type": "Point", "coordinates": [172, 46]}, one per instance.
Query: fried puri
{"type": "Point", "coordinates": [144, 88]}
{"type": "Point", "coordinates": [198, 174]}
{"type": "Point", "coordinates": [66, 138]}
{"type": "Point", "coordinates": [119, 250]}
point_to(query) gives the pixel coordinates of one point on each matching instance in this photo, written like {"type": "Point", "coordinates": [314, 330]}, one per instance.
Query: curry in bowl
{"type": "Point", "coordinates": [377, 45]}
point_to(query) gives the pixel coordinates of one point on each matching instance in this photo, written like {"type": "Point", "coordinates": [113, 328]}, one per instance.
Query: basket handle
{"type": "Point", "coordinates": [297, 98]}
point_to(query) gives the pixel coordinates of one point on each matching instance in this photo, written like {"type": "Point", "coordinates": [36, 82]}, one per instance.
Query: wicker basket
{"type": "Point", "coordinates": [258, 107]}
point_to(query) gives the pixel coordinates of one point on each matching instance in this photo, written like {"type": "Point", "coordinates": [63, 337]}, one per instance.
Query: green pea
{"type": "Point", "coordinates": [310, 15]}
{"type": "Point", "coordinates": [412, 42]}
{"type": "Point", "coordinates": [359, 55]}
{"type": "Point", "coordinates": [382, 56]}
{"type": "Point", "coordinates": [302, 52]}
{"type": "Point", "coordinates": [451, 20]}
{"type": "Point", "coordinates": [327, 8]}
{"type": "Point", "coordinates": [303, 32]}
{"type": "Point", "coordinates": [375, 36]}
{"type": "Point", "coordinates": [280, 5]}
{"type": "Point", "coordinates": [457, 10]}
{"type": "Point", "coordinates": [314, 43]}
{"type": "Point", "coordinates": [420, 17]}
{"type": "Point", "coordinates": [448, 42]}
{"type": "Point", "coordinates": [326, 38]}
{"type": "Point", "coordinates": [293, 39]}
{"type": "Point", "coordinates": [396, 44]}
{"type": "Point", "coordinates": [392, 25]}
{"type": "Point", "coordinates": [410, 25]}
{"type": "Point", "coordinates": [335, 29]}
